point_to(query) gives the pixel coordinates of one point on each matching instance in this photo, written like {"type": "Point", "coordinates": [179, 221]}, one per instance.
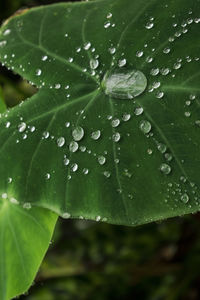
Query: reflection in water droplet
{"type": "Point", "coordinates": [165, 168]}
{"type": "Point", "coordinates": [145, 126]}
{"type": "Point", "coordinates": [125, 84]}
{"type": "Point", "coordinates": [78, 133]}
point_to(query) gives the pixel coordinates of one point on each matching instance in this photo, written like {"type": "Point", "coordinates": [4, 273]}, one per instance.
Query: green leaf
{"type": "Point", "coordinates": [129, 160]}
{"type": "Point", "coordinates": [24, 239]}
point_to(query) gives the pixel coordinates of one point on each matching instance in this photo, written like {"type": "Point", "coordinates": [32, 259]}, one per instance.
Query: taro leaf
{"type": "Point", "coordinates": [24, 239]}
{"type": "Point", "coordinates": [131, 160]}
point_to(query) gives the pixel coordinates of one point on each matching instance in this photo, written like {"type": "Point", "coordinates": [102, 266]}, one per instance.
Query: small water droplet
{"type": "Point", "coordinates": [66, 215]}
{"type": "Point", "coordinates": [116, 137]}
{"type": "Point", "coordinates": [27, 205]}
{"type": "Point", "coordinates": [101, 160]}
{"type": "Point", "coordinates": [122, 62]}
{"type": "Point", "coordinates": [96, 135]}
{"type": "Point", "coordinates": [145, 126]}
{"type": "Point", "coordinates": [115, 122]}
{"type": "Point", "coordinates": [185, 198]}
{"type": "Point", "coordinates": [78, 133]}
{"type": "Point", "coordinates": [94, 63]}
{"type": "Point", "coordinates": [22, 127]}
{"type": "Point", "coordinates": [165, 169]}
{"type": "Point", "coordinates": [74, 167]}
{"type": "Point", "coordinates": [38, 72]}
{"type": "Point", "coordinates": [73, 146]}
{"type": "Point", "coordinates": [138, 111]}
{"type": "Point", "coordinates": [61, 141]}
{"type": "Point", "coordinates": [149, 25]}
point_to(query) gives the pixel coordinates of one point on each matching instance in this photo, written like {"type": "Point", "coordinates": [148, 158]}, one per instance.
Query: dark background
{"type": "Point", "coordinates": [89, 260]}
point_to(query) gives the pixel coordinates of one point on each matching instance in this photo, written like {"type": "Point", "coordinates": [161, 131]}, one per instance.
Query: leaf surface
{"type": "Point", "coordinates": [138, 159]}
{"type": "Point", "coordinates": [24, 239]}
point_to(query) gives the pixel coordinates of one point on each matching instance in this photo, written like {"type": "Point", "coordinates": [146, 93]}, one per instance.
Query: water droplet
{"type": "Point", "coordinates": [27, 205]}
{"type": "Point", "coordinates": [138, 111]}
{"type": "Point", "coordinates": [48, 176]}
{"type": "Point", "coordinates": [85, 171]}
{"type": "Point", "coordinates": [155, 71]}
{"type": "Point", "coordinates": [116, 137]}
{"type": "Point", "coordinates": [22, 127]}
{"type": "Point", "coordinates": [106, 174]}
{"type": "Point", "coordinates": [115, 122]}
{"type": "Point", "coordinates": [78, 133]}
{"type": "Point", "coordinates": [87, 46]}
{"type": "Point", "coordinates": [74, 167]}
{"type": "Point", "coordinates": [61, 141]}
{"type": "Point", "coordinates": [94, 63]}
{"type": "Point", "coordinates": [161, 147]}
{"type": "Point", "coordinates": [107, 24]}
{"type": "Point", "coordinates": [73, 146]}
{"type": "Point", "coordinates": [98, 218]}
{"type": "Point", "coordinates": [96, 135]}
{"type": "Point", "coordinates": [44, 58]}
{"type": "Point", "coordinates": [165, 168]}
{"type": "Point", "coordinates": [38, 72]}
{"type": "Point", "coordinates": [122, 62]}
{"type": "Point", "coordinates": [139, 53]}
{"type": "Point", "coordinates": [126, 117]}
{"type": "Point", "coordinates": [149, 25]}
{"type": "Point", "coordinates": [112, 50]}
{"type": "Point", "coordinates": [7, 32]}
{"type": "Point", "coordinates": [166, 50]}
{"type": "Point", "coordinates": [185, 198]}
{"type": "Point", "coordinates": [66, 215]}
{"type": "Point", "coordinates": [145, 126]}
{"type": "Point", "coordinates": [101, 160]}
{"type": "Point", "coordinates": [124, 85]}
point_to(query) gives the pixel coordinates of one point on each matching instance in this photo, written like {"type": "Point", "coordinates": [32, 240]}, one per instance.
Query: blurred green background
{"type": "Point", "coordinates": [90, 260]}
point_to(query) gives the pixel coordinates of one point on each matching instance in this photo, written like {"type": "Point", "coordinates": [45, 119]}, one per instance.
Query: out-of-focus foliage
{"type": "Point", "coordinates": [99, 261]}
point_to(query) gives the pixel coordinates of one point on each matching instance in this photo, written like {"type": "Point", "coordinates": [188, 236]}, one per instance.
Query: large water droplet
{"type": "Point", "coordinates": [185, 198]}
{"type": "Point", "coordinates": [125, 84]}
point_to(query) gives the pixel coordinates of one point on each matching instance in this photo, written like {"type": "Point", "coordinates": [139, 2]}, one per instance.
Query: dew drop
{"type": "Point", "coordinates": [96, 135]}
{"type": "Point", "coordinates": [74, 167]}
{"type": "Point", "coordinates": [38, 72]}
{"type": "Point", "coordinates": [124, 85]}
{"type": "Point", "coordinates": [22, 127]}
{"type": "Point", "coordinates": [138, 111]}
{"type": "Point", "coordinates": [66, 215]}
{"type": "Point", "coordinates": [185, 198]}
{"type": "Point", "coordinates": [116, 137]}
{"type": "Point", "coordinates": [73, 146]}
{"type": "Point", "coordinates": [78, 133]}
{"type": "Point", "coordinates": [122, 62]}
{"type": "Point", "coordinates": [101, 160]}
{"type": "Point", "coordinates": [94, 63]}
{"type": "Point", "coordinates": [145, 126]}
{"type": "Point", "coordinates": [165, 169]}
{"type": "Point", "coordinates": [149, 25]}
{"type": "Point", "coordinates": [115, 122]}
{"type": "Point", "coordinates": [61, 141]}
